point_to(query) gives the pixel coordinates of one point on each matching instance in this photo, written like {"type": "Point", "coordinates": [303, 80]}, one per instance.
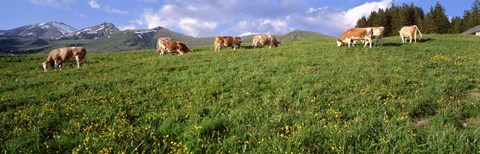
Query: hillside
{"type": "Point", "coordinates": [21, 45]}
{"type": "Point", "coordinates": [307, 96]}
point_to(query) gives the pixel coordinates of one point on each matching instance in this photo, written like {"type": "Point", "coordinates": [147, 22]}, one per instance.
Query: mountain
{"type": "Point", "coordinates": [296, 34]}
{"type": "Point", "coordinates": [93, 32]}
{"type": "Point", "coordinates": [105, 37]}
{"type": "Point", "coordinates": [141, 39]}
{"type": "Point", "coordinates": [41, 30]}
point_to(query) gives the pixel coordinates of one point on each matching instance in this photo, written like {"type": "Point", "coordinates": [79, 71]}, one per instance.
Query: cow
{"type": "Point", "coordinates": [356, 34]}
{"type": "Point", "coordinates": [227, 41]}
{"type": "Point", "coordinates": [59, 55]}
{"type": "Point", "coordinates": [409, 32]}
{"type": "Point", "coordinates": [160, 47]}
{"type": "Point", "coordinates": [377, 33]}
{"type": "Point", "coordinates": [171, 46]}
{"type": "Point", "coordinates": [261, 40]}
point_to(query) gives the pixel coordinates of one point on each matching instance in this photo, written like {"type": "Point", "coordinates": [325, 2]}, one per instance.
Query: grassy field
{"type": "Point", "coordinates": [307, 96]}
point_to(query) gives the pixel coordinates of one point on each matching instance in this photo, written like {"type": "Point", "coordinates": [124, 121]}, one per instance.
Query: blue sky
{"type": "Point", "coordinates": [203, 18]}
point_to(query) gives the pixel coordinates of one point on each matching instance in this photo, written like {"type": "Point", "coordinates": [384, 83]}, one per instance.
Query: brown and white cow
{"type": "Point", "coordinates": [377, 33]}
{"type": "Point", "coordinates": [409, 32]}
{"type": "Point", "coordinates": [59, 55]}
{"type": "Point", "coordinates": [160, 47]}
{"type": "Point", "coordinates": [261, 40]}
{"type": "Point", "coordinates": [180, 47]}
{"type": "Point", "coordinates": [227, 41]}
{"type": "Point", "coordinates": [353, 34]}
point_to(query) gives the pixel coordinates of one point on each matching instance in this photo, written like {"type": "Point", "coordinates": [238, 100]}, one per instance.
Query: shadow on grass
{"type": "Point", "coordinates": [247, 47]}
{"type": "Point", "coordinates": [392, 44]}
{"type": "Point", "coordinates": [425, 40]}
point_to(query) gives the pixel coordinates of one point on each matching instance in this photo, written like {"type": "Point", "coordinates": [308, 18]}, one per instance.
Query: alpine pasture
{"type": "Point", "coordinates": [306, 96]}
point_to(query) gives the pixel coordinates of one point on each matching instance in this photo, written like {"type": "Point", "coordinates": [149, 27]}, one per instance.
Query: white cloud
{"type": "Point", "coordinates": [351, 16]}
{"type": "Point", "coordinates": [196, 27]}
{"type": "Point", "coordinates": [261, 26]}
{"type": "Point", "coordinates": [127, 27]}
{"type": "Point", "coordinates": [94, 4]}
{"type": "Point", "coordinates": [235, 17]}
{"type": "Point", "coordinates": [331, 21]}
{"type": "Point", "coordinates": [114, 10]}
{"type": "Point", "coordinates": [168, 16]}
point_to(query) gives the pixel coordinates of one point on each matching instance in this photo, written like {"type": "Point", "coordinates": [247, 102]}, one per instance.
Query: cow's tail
{"type": "Point", "coordinates": [418, 29]}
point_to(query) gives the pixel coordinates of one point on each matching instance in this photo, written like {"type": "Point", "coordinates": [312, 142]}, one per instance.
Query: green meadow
{"type": "Point", "coordinates": [307, 96]}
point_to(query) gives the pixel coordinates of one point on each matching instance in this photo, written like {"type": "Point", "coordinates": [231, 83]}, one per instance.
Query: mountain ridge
{"type": "Point", "coordinates": [105, 37]}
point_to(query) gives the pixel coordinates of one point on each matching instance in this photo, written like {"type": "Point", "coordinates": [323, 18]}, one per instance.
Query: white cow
{"type": "Point", "coordinates": [409, 32]}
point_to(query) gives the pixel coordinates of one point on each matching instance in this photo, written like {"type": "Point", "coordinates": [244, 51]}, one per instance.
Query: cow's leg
{"type": "Point", "coordinates": [180, 52]}
{"type": "Point", "coordinates": [58, 64]}
{"type": "Point", "coordinates": [415, 37]}
{"type": "Point", "coordinates": [55, 66]}
{"type": "Point", "coordinates": [401, 36]}
{"type": "Point", "coordinates": [410, 37]}
{"type": "Point", "coordinates": [349, 41]}
{"type": "Point", "coordinates": [78, 61]}
{"type": "Point", "coordinates": [381, 39]}
{"type": "Point", "coordinates": [370, 42]}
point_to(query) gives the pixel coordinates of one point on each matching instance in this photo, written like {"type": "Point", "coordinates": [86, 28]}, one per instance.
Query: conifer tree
{"type": "Point", "coordinates": [362, 22]}
{"type": "Point", "coordinates": [472, 17]}
{"type": "Point", "coordinates": [436, 21]}
{"type": "Point", "coordinates": [456, 26]}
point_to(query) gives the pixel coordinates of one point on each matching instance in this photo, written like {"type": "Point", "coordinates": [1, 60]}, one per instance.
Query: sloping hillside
{"type": "Point", "coordinates": [307, 96]}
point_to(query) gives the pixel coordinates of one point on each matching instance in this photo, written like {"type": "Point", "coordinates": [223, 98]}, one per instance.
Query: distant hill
{"type": "Point", "coordinates": [22, 45]}
{"type": "Point", "coordinates": [105, 37]}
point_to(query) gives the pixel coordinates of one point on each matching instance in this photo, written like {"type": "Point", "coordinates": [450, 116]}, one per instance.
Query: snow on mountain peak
{"type": "Point", "coordinates": [63, 28]}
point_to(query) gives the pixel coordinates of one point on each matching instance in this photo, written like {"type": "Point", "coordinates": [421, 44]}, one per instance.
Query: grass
{"type": "Point", "coordinates": [307, 96]}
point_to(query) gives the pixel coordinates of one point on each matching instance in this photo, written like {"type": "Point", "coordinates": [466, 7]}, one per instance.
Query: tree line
{"type": "Point", "coordinates": [435, 21]}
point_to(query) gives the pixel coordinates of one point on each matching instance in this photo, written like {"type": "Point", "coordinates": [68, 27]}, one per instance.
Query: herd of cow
{"type": "Point", "coordinates": [350, 36]}
{"type": "Point", "coordinates": [168, 44]}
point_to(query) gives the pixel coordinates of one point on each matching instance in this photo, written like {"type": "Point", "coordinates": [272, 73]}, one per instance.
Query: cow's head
{"type": "Point", "coordinates": [47, 65]}
{"type": "Point", "coordinates": [238, 39]}
{"type": "Point", "coordinates": [339, 42]}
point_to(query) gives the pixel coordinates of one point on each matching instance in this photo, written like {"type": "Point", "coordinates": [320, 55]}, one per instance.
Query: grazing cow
{"type": "Point", "coordinates": [356, 34]}
{"type": "Point", "coordinates": [409, 32]}
{"type": "Point", "coordinates": [57, 56]}
{"type": "Point", "coordinates": [377, 33]}
{"type": "Point", "coordinates": [227, 41]}
{"type": "Point", "coordinates": [175, 46]}
{"type": "Point", "coordinates": [160, 47]}
{"type": "Point", "coordinates": [261, 40]}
